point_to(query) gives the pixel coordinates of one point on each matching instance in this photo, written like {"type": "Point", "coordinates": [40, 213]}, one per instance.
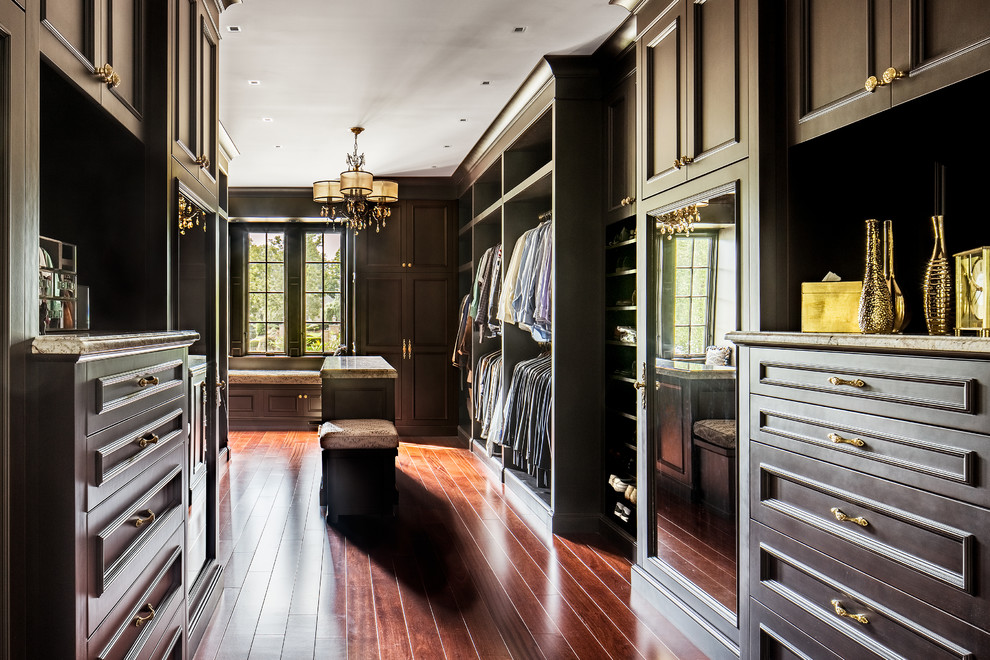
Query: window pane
{"type": "Point", "coordinates": [682, 311]}
{"type": "Point", "coordinates": [699, 286]}
{"type": "Point", "coordinates": [256, 307]}
{"type": "Point", "coordinates": [256, 337]}
{"type": "Point", "coordinates": [314, 246]}
{"type": "Point", "coordinates": [702, 249]}
{"type": "Point", "coordinates": [699, 311]}
{"type": "Point", "coordinates": [276, 248]}
{"type": "Point", "coordinates": [314, 307]}
{"type": "Point", "coordinates": [276, 341]}
{"type": "Point", "coordinates": [331, 308]}
{"type": "Point", "coordinates": [331, 275]}
{"type": "Point", "coordinates": [683, 247]}
{"type": "Point", "coordinates": [682, 335]}
{"type": "Point", "coordinates": [331, 337]}
{"type": "Point", "coordinates": [331, 247]}
{"type": "Point", "coordinates": [697, 340]}
{"type": "Point", "coordinates": [256, 277]}
{"type": "Point", "coordinates": [314, 338]}
{"type": "Point", "coordinates": [256, 246]}
{"type": "Point", "coordinates": [276, 307]}
{"type": "Point", "coordinates": [314, 277]}
{"type": "Point", "coordinates": [276, 277]}
{"type": "Point", "coordinates": [682, 282]}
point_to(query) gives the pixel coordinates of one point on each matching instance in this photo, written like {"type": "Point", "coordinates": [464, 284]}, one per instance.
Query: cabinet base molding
{"type": "Point", "coordinates": [208, 589]}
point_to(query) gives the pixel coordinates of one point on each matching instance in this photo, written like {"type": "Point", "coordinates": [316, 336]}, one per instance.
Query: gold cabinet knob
{"type": "Point", "coordinates": [202, 161]}
{"type": "Point", "coordinates": [147, 380]}
{"type": "Point", "coordinates": [871, 84]}
{"type": "Point", "coordinates": [682, 161]}
{"type": "Point", "coordinates": [148, 439]}
{"type": "Point", "coordinates": [841, 611]}
{"type": "Point", "coordinates": [107, 75]}
{"type": "Point", "coordinates": [891, 74]}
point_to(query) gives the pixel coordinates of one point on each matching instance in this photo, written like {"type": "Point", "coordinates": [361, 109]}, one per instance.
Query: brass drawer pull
{"type": "Point", "coordinates": [107, 75]}
{"type": "Point", "coordinates": [838, 439]}
{"type": "Point", "coordinates": [148, 380]}
{"type": "Point", "coordinates": [841, 517]}
{"type": "Point", "coordinates": [842, 381]}
{"type": "Point", "coordinates": [149, 439]}
{"type": "Point", "coordinates": [841, 611]}
{"type": "Point", "coordinates": [141, 620]}
{"type": "Point", "coordinates": [149, 517]}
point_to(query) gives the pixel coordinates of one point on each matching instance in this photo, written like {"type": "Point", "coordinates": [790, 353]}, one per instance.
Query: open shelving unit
{"type": "Point", "coordinates": [546, 160]}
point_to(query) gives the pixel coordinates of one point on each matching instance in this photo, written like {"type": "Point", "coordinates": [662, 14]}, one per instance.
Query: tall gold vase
{"type": "Point", "coordinates": [938, 285]}
{"type": "Point", "coordinates": [896, 297]}
{"type": "Point", "coordinates": [876, 314]}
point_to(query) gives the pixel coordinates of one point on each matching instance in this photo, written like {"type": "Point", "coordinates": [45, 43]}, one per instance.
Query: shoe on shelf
{"type": "Point", "coordinates": [611, 480]}
{"type": "Point", "coordinates": [623, 512]}
{"type": "Point", "coordinates": [629, 489]}
{"type": "Point", "coordinates": [620, 486]}
{"type": "Point", "coordinates": [631, 496]}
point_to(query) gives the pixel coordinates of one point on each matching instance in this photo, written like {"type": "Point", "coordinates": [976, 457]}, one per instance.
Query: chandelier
{"type": "Point", "coordinates": [356, 199]}
{"type": "Point", "coordinates": [681, 221]}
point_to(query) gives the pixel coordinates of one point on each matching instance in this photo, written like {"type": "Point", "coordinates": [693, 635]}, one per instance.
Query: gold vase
{"type": "Point", "coordinates": [896, 297]}
{"type": "Point", "coordinates": [876, 314]}
{"type": "Point", "coordinates": [938, 285]}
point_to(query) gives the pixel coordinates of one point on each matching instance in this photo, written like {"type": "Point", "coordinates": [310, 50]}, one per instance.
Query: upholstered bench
{"type": "Point", "coordinates": [358, 467]}
{"type": "Point", "coordinates": [715, 463]}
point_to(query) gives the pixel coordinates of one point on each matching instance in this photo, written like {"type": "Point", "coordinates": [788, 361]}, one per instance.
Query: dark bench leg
{"type": "Point", "coordinates": [359, 482]}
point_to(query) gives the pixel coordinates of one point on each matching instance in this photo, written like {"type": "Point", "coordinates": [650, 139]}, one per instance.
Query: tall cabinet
{"type": "Point", "coordinates": [547, 161]}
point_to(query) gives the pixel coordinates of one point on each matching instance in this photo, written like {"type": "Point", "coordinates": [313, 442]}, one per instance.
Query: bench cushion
{"type": "Point", "coordinates": [719, 432]}
{"type": "Point", "coordinates": [358, 434]}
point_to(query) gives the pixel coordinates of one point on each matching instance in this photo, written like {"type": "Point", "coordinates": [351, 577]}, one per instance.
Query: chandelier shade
{"type": "Point", "coordinates": [356, 199]}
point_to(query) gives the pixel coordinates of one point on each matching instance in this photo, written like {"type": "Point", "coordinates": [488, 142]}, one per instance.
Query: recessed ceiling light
{"type": "Point", "coordinates": [254, 82]}
{"type": "Point", "coordinates": [446, 146]}
{"type": "Point", "coordinates": [267, 119]}
{"type": "Point", "coordinates": [278, 146]}
{"type": "Point", "coordinates": [519, 29]}
{"type": "Point", "coordinates": [486, 82]}
{"type": "Point", "coordinates": [233, 28]}
{"type": "Point", "coordinates": [464, 120]}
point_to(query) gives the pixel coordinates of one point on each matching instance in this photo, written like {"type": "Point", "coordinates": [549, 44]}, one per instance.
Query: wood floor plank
{"type": "Point", "coordinates": [460, 572]}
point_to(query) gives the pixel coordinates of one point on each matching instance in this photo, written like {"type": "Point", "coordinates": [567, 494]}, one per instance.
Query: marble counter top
{"type": "Point", "coordinates": [274, 376]}
{"type": "Point", "coordinates": [945, 345]}
{"type": "Point", "coordinates": [697, 370]}
{"type": "Point", "coordinates": [357, 366]}
{"type": "Point", "coordinates": [97, 344]}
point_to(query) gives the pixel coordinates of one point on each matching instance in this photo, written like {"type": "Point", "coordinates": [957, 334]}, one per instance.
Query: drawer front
{"type": "Point", "coordinates": [170, 646]}
{"type": "Point", "coordinates": [848, 611]}
{"type": "Point", "coordinates": [773, 638]}
{"type": "Point", "coordinates": [122, 452]}
{"type": "Point", "coordinates": [952, 463]}
{"type": "Point", "coordinates": [128, 530]}
{"type": "Point", "coordinates": [941, 391]}
{"type": "Point", "coordinates": [123, 387]}
{"type": "Point", "coordinates": [919, 542]}
{"type": "Point", "coordinates": [137, 623]}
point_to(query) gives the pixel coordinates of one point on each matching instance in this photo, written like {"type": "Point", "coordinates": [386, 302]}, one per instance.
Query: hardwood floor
{"type": "Point", "coordinates": [458, 573]}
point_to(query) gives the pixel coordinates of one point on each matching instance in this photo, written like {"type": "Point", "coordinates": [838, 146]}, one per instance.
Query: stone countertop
{"type": "Point", "coordinates": [695, 370]}
{"type": "Point", "coordinates": [357, 366]}
{"type": "Point", "coordinates": [91, 344]}
{"type": "Point", "coordinates": [274, 376]}
{"type": "Point", "coordinates": [934, 345]}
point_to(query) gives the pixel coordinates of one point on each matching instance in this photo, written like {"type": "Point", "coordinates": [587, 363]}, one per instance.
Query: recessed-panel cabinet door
{"type": "Point", "coordinates": [70, 39]}
{"type": "Point", "coordinates": [382, 250]}
{"type": "Point", "coordinates": [429, 236]}
{"type": "Point", "coordinates": [834, 46]}
{"type": "Point", "coordinates": [936, 43]}
{"type": "Point", "coordinates": [186, 75]}
{"type": "Point", "coordinates": [207, 108]}
{"type": "Point", "coordinates": [663, 70]}
{"type": "Point", "coordinates": [620, 141]}
{"type": "Point", "coordinates": [125, 52]}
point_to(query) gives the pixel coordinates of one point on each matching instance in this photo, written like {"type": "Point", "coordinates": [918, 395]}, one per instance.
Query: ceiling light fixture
{"type": "Point", "coordinates": [681, 221]}
{"type": "Point", "coordinates": [254, 83]}
{"type": "Point", "coordinates": [362, 199]}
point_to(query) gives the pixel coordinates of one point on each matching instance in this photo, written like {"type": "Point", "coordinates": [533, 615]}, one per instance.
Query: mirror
{"type": "Point", "coordinates": [693, 429]}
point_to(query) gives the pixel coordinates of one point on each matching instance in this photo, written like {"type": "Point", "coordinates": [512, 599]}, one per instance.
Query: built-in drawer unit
{"type": "Point", "coordinates": [134, 628]}
{"type": "Point", "coordinates": [919, 542]}
{"type": "Point", "coordinates": [128, 529]}
{"type": "Point", "coordinates": [850, 612]}
{"type": "Point", "coordinates": [771, 637]}
{"type": "Point", "coordinates": [125, 450]}
{"type": "Point", "coordinates": [950, 462]}
{"type": "Point", "coordinates": [121, 388]}
{"type": "Point", "coordinates": [939, 391]}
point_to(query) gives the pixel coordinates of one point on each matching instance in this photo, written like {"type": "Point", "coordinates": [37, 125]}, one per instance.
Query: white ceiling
{"type": "Point", "coordinates": [409, 71]}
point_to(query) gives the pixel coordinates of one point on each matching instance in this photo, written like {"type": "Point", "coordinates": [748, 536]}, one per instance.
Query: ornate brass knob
{"type": "Point", "coordinates": [841, 517]}
{"type": "Point", "coordinates": [148, 380]}
{"type": "Point", "coordinates": [872, 83]}
{"type": "Point", "coordinates": [141, 620]}
{"type": "Point", "coordinates": [639, 385]}
{"type": "Point", "coordinates": [838, 439]}
{"type": "Point", "coordinates": [203, 162]}
{"type": "Point", "coordinates": [107, 75]}
{"type": "Point", "coordinates": [149, 439]}
{"type": "Point", "coordinates": [891, 74]}
{"type": "Point", "coordinates": [851, 383]}
{"type": "Point", "coordinates": [841, 611]}
{"type": "Point", "coordinates": [682, 161]}
{"type": "Point", "coordinates": [149, 516]}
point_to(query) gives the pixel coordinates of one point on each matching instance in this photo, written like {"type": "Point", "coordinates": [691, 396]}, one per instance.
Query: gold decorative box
{"type": "Point", "coordinates": [972, 306]}
{"type": "Point", "coordinates": [830, 306]}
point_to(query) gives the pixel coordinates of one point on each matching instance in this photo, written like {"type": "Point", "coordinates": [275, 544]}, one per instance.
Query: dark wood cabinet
{"type": "Point", "coordinates": [419, 236]}
{"type": "Point", "coordinates": [195, 116]}
{"type": "Point", "coordinates": [835, 48]}
{"type": "Point", "coordinates": [692, 69]}
{"type": "Point", "coordinates": [260, 406]}
{"type": "Point", "coordinates": [408, 320]}
{"type": "Point", "coordinates": [620, 148]}
{"type": "Point", "coordinates": [101, 46]}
